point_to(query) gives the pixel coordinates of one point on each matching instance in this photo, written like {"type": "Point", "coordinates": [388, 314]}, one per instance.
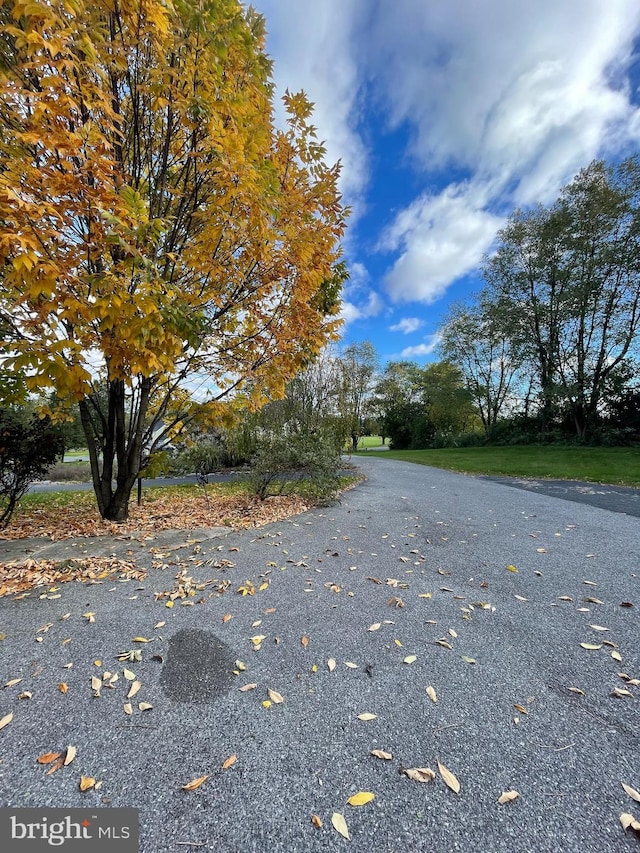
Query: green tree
{"type": "Point", "coordinates": [570, 276]}
{"type": "Point", "coordinates": [357, 367]}
{"type": "Point", "coordinates": [449, 403]}
{"type": "Point", "coordinates": [156, 231]}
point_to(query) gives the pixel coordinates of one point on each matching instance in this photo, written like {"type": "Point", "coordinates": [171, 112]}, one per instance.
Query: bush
{"type": "Point", "coordinates": [281, 461]}
{"type": "Point", "coordinates": [202, 458]}
{"type": "Point", "coordinates": [28, 447]}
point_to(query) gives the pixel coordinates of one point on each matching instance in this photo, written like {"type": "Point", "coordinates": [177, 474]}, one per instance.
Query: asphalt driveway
{"type": "Point", "coordinates": [417, 578]}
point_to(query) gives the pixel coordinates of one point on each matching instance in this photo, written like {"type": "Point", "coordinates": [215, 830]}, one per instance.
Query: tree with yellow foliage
{"type": "Point", "coordinates": [165, 252]}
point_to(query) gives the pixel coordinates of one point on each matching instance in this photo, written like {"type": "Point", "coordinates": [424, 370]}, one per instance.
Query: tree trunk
{"type": "Point", "coordinates": [113, 438]}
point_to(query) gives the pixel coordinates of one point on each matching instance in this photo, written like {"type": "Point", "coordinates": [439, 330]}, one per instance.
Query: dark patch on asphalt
{"type": "Point", "coordinates": [199, 667]}
{"type": "Point", "coordinates": [624, 499]}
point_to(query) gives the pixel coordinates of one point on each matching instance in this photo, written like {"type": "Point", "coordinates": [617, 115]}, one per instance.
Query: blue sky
{"type": "Point", "coordinates": [447, 115]}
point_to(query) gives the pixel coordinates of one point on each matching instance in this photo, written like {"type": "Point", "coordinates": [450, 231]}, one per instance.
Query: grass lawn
{"type": "Point", "coordinates": [613, 465]}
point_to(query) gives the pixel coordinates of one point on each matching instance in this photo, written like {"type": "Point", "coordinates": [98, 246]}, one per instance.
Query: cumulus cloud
{"type": "Point", "coordinates": [360, 300]}
{"type": "Point", "coordinates": [439, 238]}
{"type": "Point", "coordinates": [426, 348]}
{"type": "Point", "coordinates": [407, 325]}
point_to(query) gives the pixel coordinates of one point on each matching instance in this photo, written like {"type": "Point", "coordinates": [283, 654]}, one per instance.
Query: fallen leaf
{"type": "Point", "coordinates": [512, 569]}
{"type": "Point", "coordinates": [195, 783]}
{"type": "Point", "coordinates": [48, 757]}
{"type": "Point", "coordinates": [26, 694]}
{"type": "Point", "coordinates": [521, 708]}
{"type": "Point", "coordinates": [361, 798]}
{"type": "Point", "coordinates": [632, 792]}
{"type": "Point", "coordinates": [350, 664]}
{"type": "Point", "coordinates": [331, 664]}
{"type": "Point", "coordinates": [367, 716]}
{"type": "Point", "coordinates": [424, 595]}
{"type": "Point", "coordinates": [577, 690]}
{"type": "Point", "coordinates": [565, 598]}
{"type": "Point", "coordinates": [144, 706]}
{"type": "Point", "coordinates": [13, 682]}
{"type": "Point", "coordinates": [87, 782]}
{"type": "Point", "coordinates": [420, 774]}
{"type": "Point", "coordinates": [628, 820]}
{"type": "Point", "coordinates": [159, 625]}
{"type": "Point", "coordinates": [626, 604]}
{"type": "Point", "coordinates": [375, 627]}
{"type": "Point", "coordinates": [380, 753]}
{"type": "Point", "coordinates": [431, 693]}
{"type": "Point", "coordinates": [521, 598]}
{"type": "Point", "coordinates": [63, 687]}
{"type": "Point", "coordinates": [591, 646]}
{"type": "Point", "coordinates": [616, 656]}
{"type": "Point", "coordinates": [304, 641]}
{"type": "Point", "coordinates": [130, 676]}
{"type": "Point", "coordinates": [134, 689]}
{"type": "Point", "coordinates": [598, 628]}
{"type": "Point", "coordinates": [590, 600]}
{"type": "Point", "coordinates": [507, 797]}
{"type": "Point", "coordinates": [452, 633]}
{"type": "Point", "coordinates": [275, 697]}
{"type": "Point", "coordinates": [246, 687]}
{"type": "Point", "coordinates": [444, 643]}
{"type": "Point", "coordinates": [315, 820]}
{"type": "Point", "coordinates": [229, 762]}
{"type": "Point", "coordinates": [70, 755]}
{"type": "Point", "coordinates": [449, 779]}
{"type": "Point", "coordinates": [619, 692]}
{"type": "Point", "coordinates": [340, 825]}
{"type": "Point", "coordinates": [590, 583]}
{"type": "Point", "coordinates": [410, 659]}
{"type": "Point", "coordinates": [90, 617]}
{"type": "Point", "coordinates": [467, 659]}
{"type": "Point", "coordinates": [96, 684]}
{"type": "Point", "coordinates": [226, 617]}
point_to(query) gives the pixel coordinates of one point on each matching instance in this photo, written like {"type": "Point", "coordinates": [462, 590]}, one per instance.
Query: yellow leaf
{"type": "Point", "coordinates": [361, 798]}
{"type": "Point", "coordinates": [134, 689]}
{"type": "Point", "coordinates": [380, 753]}
{"type": "Point", "coordinates": [70, 755]}
{"type": "Point", "coordinates": [340, 825]}
{"type": "Point", "coordinates": [275, 697]}
{"type": "Point", "coordinates": [266, 704]}
{"type": "Point", "coordinates": [169, 604]}
{"type": "Point", "coordinates": [195, 783]}
{"type": "Point", "coordinates": [366, 716]}
{"type": "Point", "coordinates": [431, 693]}
{"type": "Point", "coordinates": [410, 659]}
{"type": "Point", "coordinates": [449, 779]}
{"type": "Point", "coordinates": [420, 774]}
{"type": "Point", "coordinates": [140, 640]}
{"type": "Point", "coordinates": [398, 643]}
{"type": "Point", "coordinates": [240, 665]}
{"type": "Point", "coordinates": [512, 569]}
{"type": "Point", "coordinates": [97, 663]}
{"type": "Point", "coordinates": [467, 659]}
{"type": "Point", "coordinates": [87, 782]}
{"type": "Point", "coordinates": [424, 595]}
{"type": "Point", "coordinates": [632, 792]}
{"type": "Point", "coordinates": [507, 797]}
{"type": "Point", "coordinates": [228, 762]}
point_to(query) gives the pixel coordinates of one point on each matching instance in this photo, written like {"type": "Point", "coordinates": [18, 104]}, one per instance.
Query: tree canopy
{"type": "Point", "coordinates": [163, 247]}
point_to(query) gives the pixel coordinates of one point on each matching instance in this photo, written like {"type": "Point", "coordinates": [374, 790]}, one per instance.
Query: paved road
{"type": "Point", "coordinates": [417, 530]}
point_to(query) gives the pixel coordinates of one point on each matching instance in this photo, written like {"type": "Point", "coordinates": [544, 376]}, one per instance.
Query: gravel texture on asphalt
{"type": "Point", "coordinates": [416, 530]}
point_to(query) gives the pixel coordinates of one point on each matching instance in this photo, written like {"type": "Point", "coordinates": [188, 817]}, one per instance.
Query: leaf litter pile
{"type": "Point", "coordinates": [432, 769]}
{"type": "Point", "coordinates": [169, 510]}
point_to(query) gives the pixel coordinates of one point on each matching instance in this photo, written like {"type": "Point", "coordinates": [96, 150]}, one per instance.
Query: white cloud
{"type": "Point", "coordinates": [426, 348]}
{"type": "Point", "coordinates": [311, 46]}
{"type": "Point", "coordinates": [518, 95]}
{"type": "Point", "coordinates": [407, 325]}
{"type": "Point", "coordinates": [439, 238]}
{"type": "Point", "coordinates": [370, 306]}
